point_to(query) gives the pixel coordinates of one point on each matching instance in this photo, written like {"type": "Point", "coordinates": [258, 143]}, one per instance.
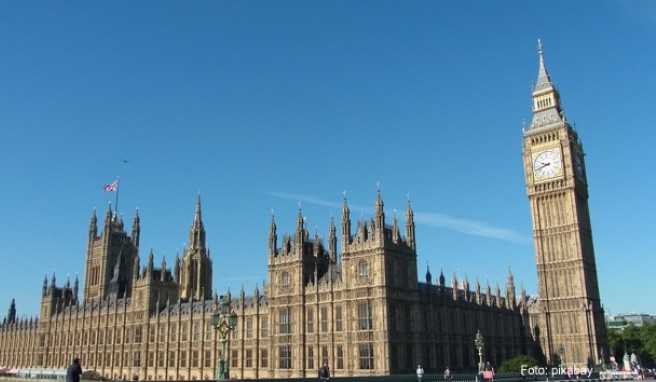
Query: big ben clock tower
{"type": "Point", "coordinates": [567, 318]}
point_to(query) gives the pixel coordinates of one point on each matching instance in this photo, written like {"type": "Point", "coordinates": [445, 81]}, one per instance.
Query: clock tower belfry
{"type": "Point", "coordinates": [567, 318]}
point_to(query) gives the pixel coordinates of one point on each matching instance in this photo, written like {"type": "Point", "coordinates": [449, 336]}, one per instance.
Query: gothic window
{"type": "Point", "coordinates": [310, 357]}
{"type": "Point", "coordinates": [363, 269]}
{"type": "Point", "coordinates": [208, 359]}
{"type": "Point", "coordinates": [117, 359]}
{"type": "Point", "coordinates": [264, 358]}
{"type": "Point", "coordinates": [364, 316]}
{"type": "Point", "coordinates": [137, 335]}
{"type": "Point", "coordinates": [264, 327]}
{"type": "Point", "coordinates": [284, 321]}
{"type": "Point", "coordinates": [194, 358]}
{"type": "Point", "coordinates": [151, 359]}
{"type": "Point", "coordinates": [249, 327]}
{"type": "Point", "coordinates": [151, 334]}
{"type": "Point", "coordinates": [338, 318]}
{"type": "Point", "coordinates": [183, 331]}
{"type": "Point", "coordinates": [284, 279]}
{"type": "Point", "coordinates": [310, 320]}
{"type": "Point", "coordinates": [324, 353]}
{"type": "Point", "coordinates": [248, 361]}
{"type": "Point", "coordinates": [324, 319]}
{"type": "Point", "coordinates": [366, 356]}
{"type": "Point", "coordinates": [160, 334]}
{"type": "Point", "coordinates": [285, 356]}
{"type": "Point", "coordinates": [173, 334]}
{"type": "Point", "coordinates": [171, 359]}
{"type": "Point", "coordinates": [195, 334]}
{"type": "Point", "coordinates": [183, 359]}
{"type": "Point", "coordinates": [160, 359]}
{"type": "Point", "coordinates": [340, 357]}
{"type": "Point", "coordinates": [234, 358]}
{"type": "Point", "coordinates": [208, 331]}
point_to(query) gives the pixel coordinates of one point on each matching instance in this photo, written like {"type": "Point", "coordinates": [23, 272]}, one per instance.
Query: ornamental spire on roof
{"type": "Point", "coordinates": [543, 81]}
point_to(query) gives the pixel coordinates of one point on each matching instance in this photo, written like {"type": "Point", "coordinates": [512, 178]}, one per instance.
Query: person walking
{"type": "Point", "coordinates": [420, 373]}
{"type": "Point", "coordinates": [447, 374]}
{"type": "Point", "coordinates": [324, 372]}
{"type": "Point", "coordinates": [74, 371]}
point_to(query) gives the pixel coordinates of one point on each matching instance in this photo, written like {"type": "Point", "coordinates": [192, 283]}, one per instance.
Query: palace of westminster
{"type": "Point", "coordinates": [360, 307]}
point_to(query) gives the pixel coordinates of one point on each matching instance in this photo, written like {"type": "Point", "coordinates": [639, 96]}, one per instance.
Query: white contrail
{"type": "Point", "coordinates": [431, 219]}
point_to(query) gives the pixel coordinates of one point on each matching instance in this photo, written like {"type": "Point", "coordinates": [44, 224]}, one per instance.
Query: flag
{"type": "Point", "coordinates": [111, 187]}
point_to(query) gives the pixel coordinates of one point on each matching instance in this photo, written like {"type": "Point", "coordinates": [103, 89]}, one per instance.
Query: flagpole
{"type": "Point", "coordinates": [118, 187]}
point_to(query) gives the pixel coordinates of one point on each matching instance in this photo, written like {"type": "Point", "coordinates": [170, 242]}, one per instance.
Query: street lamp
{"type": "Point", "coordinates": [224, 321]}
{"type": "Point", "coordinates": [479, 343]}
{"type": "Point", "coordinates": [561, 354]}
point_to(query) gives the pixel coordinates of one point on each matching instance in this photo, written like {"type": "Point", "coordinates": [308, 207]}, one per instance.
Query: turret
{"type": "Point", "coordinates": [478, 292]}
{"type": "Point", "coordinates": [150, 265]}
{"type": "Point", "coordinates": [163, 273]}
{"type": "Point", "coordinates": [510, 291]}
{"type": "Point", "coordinates": [442, 280]}
{"type": "Point", "coordinates": [498, 296]}
{"type": "Point", "coordinates": [136, 269]}
{"type": "Point", "coordinates": [53, 282]}
{"type": "Point", "coordinates": [176, 269]}
{"type": "Point", "coordinates": [395, 228]}
{"type": "Point", "coordinates": [11, 314]}
{"type": "Point", "coordinates": [108, 220]}
{"type": "Point", "coordinates": [76, 289]}
{"type": "Point", "coordinates": [429, 277]}
{"type": "Point", "coordinates": [465, 287]}
{"type": "Point", "coordinates": [197, 232]}
{"type": "Point", "coordinates": [346, 224]}
{"type": "Point", "coordinates": [136, 228]}
{"type": "Point", "coordinates": [410, 227]}
{"type": "Point", "coordinates": [454, 286]}
{"type": "Point", "coordinates": [273, 237]}
{"type": "Point", "coordinates": [300, 230]}
{"type": "Point", "coordinates": [379, 216]}
{"type": "Point", "coordinates": [332, 241]}
{"type": "Point", "coordinates": [45, 285]}
{"type": "Point", "coordinates": [93, 226]}
{"type": "Point", "coordinates": [488, 294]}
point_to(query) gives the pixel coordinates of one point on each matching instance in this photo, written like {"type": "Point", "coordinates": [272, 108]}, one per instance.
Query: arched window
{"type": "Point", "coordinates": [284, 280]}
{"type": "Point", "coordinates": [363, 269]}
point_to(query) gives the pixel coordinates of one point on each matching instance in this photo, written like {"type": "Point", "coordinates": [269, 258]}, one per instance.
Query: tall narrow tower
{"type": "Point", "coordinates": [196, 267]}
{"type": "Point", "coordinates": [567, 319]}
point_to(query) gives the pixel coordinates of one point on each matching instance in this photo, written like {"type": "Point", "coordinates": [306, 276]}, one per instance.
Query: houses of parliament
{"type": "Point", "coordinates": [352, 300]}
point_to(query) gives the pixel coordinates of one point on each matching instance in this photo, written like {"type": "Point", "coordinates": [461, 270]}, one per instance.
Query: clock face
{"type": "Point", "coordinates": [547, 164]}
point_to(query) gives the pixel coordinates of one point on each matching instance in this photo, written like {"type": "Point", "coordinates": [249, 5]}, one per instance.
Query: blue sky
{"type": "Point", "coordinates": [258, 105]}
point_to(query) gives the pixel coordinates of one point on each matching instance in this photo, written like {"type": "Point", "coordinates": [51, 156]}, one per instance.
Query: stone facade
{"type": "Point", "coordinates": [567, 317]}
{"type": "Point", "coordinates": [360, 307]}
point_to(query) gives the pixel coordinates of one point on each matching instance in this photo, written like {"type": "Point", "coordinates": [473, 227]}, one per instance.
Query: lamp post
{"type": "Point", "coordinates": [225, 321]}
{"type": "Point", "coordinates": [561, 354]}
{"type": "Point", "coordinates": [479, 343]}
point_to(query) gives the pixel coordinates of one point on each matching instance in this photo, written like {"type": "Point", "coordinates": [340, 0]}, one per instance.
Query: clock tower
{"type": "Point", "coordinates": [567, 319]}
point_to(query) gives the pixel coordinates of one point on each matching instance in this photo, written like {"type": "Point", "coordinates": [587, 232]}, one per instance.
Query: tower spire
{"type": "Point", "coordinates": [273, 236]}
{"type": "Point", "coordinates": [543, 80]}
{"type": "Point", "coordinates": [197, 232]}
{"type": "Point", "coordinates": [198, 220]}
{"type": "Point", "coordinates": [346, 222]}
{"type": "Point", "coordinates": [410, 227]}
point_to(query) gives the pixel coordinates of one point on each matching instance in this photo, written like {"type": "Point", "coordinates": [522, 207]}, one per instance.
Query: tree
{"type": "Point", "coordinates": [514, 365]}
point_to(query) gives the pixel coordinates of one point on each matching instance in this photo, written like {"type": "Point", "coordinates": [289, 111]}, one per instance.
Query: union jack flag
{"type": "Point", "coordinates": [111, 187]}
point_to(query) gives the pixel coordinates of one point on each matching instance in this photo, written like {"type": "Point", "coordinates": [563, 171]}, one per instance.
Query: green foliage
{"type": "Point", "coordinates": [514, 365]}
{"type": "Point", "coordinates": [638, 340]}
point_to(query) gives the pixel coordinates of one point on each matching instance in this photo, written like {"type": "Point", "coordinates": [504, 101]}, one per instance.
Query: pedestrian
{"type": "Point", "coordinates": [420, 373]}
{"type": "Point", "coordinates": [324, 372]}
{"type": "Point", "coordinates": [447, 374]}
{"type": "Point", "coordinates": [74, 371]}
